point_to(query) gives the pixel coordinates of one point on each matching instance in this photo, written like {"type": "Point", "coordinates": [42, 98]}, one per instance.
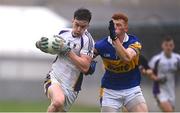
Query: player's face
{"type": "Point", "coordinates": [120, 27]}
{"type": "Point", "coordinates": [168, 47]}
{"type": "Point", "coordinates": [79, 26]}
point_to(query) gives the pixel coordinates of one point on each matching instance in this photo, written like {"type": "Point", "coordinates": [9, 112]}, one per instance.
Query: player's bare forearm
{"type": "Point", "coordinates": [125, 54]}
{"type": "Point", "coordinates": [82, 62]}
{"type": "Point", "coordinates": [154, 77]}
{"type": "Point", "coordinates": [150, 73]}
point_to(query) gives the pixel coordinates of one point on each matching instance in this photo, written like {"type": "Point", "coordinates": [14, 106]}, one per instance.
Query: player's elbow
{"type": "Point", "coordinates": [128, 58]}
{"type": "Point", "coordinates": [84, 69]}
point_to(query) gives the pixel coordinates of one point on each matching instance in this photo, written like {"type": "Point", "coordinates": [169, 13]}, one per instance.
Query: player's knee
{"type": "Point", "coordinates": [58, 102]}
{"type": "Point", "coordinates": [168, 110]}
{"type": "Point", "coordinates": [140, 107]}
{"type": "Point", "coordinates": [166, 107]}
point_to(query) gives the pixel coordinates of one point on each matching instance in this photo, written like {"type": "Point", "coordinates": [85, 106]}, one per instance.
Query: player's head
{"type": "Point", "coordinates": [120, 23]}
{"type": "Point", "coordinates": [81, 20]}
{"type": "Point", "coordinates": [168, 45]}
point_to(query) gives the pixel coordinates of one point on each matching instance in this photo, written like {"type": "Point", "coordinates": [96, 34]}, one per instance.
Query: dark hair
{"type": "Point", "coordinates": [167, 38]}
{"type": "Point", "coordinates": [82, 14]}
{"type": "Point", "coordinates": [117, 16]}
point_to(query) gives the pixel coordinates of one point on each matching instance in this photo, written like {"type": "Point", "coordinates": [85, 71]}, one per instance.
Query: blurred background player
{"type": "Point", "coordinates": [121, 80]}
{"type": "Point", "coordinates": [165, 66]}
{"type": "Point", "coordinates": [64, 80]}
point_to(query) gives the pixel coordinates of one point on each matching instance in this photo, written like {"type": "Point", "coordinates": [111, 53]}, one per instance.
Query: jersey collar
{"type": "Point", "coordinates": [126, 38]}
{"type": "Point", "coordinates": [162, 53]}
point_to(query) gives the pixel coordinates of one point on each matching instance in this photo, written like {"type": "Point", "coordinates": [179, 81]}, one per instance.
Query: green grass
{"type": "Point", "coordinates": [83, 108]}
{"type": "Point", "coordinates": [39, 106]}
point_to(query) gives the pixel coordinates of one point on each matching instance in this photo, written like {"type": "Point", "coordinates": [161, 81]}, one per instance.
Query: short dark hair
{"type": "Point", "coordinates": [168, 38]}
{"type": "Point", "coordinates": [82, 14]}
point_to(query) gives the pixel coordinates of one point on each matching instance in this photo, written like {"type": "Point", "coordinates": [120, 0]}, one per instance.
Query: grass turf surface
{"type": "Point", "coordinates": [39, 106]}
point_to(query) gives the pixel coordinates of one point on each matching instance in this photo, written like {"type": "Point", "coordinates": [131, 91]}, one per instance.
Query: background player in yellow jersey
{"type": "Point", "coordinates": [121, 80]}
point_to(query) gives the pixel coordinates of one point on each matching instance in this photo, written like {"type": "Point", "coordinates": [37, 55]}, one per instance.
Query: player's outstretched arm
{"type": "Point", "coordinates": [149, 72]}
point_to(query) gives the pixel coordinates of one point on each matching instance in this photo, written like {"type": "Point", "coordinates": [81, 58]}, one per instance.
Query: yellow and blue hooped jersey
{"type": "Point", "coordinates": [119, 74]}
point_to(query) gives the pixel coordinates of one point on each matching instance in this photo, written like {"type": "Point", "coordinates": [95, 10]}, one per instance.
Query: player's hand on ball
{"type": "Point", "coordinates": [42, 44]}
{"type": "Point", "coordinates": [112, 32]}
{"type": "Point", "coordinates": [60, 45]}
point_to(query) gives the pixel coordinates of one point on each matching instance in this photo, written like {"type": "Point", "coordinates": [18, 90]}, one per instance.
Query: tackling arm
{"type": "Point", "coordinates": [82, 61]}
{"type": "Point", "coordinates": [92, 67]}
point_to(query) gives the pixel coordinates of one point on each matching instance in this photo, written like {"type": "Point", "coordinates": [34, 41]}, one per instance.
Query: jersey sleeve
{"type": "Point", "coordinates": [178, 62]}
{"type": "Point", "coordinates": [88, 46]}
{"type": "Point", "coordinates": [152, 62]}
{"type": "Point", "coordinates": [136, 46]}
{"type": "Point", "coordinates": [143, 62]}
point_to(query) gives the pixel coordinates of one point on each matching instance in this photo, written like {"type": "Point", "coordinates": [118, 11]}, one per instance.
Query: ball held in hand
{"type": "Point", "coordinates": [50, 48]}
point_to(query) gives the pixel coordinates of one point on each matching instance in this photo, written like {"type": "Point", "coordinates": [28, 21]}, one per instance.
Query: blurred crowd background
{"type": "Point", "coordinates": [22, 22]}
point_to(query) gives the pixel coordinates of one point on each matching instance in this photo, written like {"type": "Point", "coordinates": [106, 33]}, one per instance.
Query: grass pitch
{"type": "Point", "coordinates": [39, 106]}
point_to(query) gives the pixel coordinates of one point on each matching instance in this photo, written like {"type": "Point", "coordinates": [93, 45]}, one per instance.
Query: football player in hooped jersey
{"type": "Point", "coordinates": [121, 80]}
{"type": "Point", "coordinates": [64, 80]}
{"type": "Point", "coordinates": [165, 66]}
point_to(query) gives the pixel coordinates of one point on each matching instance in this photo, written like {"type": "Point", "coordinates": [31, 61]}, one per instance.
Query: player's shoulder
{"type": "Point", "coordinates": [87, 38]}
{"type": "Point", "coordinates": [176, 55]}
{"type": "Point", "coordinates": [64, 30]}
{"type": "Point", "coordinates": [87, 35]}
{"type": "Point", "coordinates": [101, 44]}
{"type": "Point", "coordinates": [156, 57]}
{"type": "Point", "coordinates": [133, 39]}
{"type": "Point", "coordinates": [102, 41]}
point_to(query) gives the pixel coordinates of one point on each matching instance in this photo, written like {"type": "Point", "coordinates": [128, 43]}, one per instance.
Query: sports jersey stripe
{"type": "Point", "coordinates": [178, 63]}
{"type": "Point", "coordinates": [101, 95]}
{"type": "Point", "coordinates": [136, 46]}
{"type": "Point", "coordinates": [55, 59]}
{"type": "Point", "coordinates": [156, 89]}
{"type": "Point", "coordinates": [90, 45]}
{"type": "Point", "coordinates": [47, 83]}
{"type": "Point", "coordinates": [63, 31]}
{"type": "Point", "coordinates": [77, 86]}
